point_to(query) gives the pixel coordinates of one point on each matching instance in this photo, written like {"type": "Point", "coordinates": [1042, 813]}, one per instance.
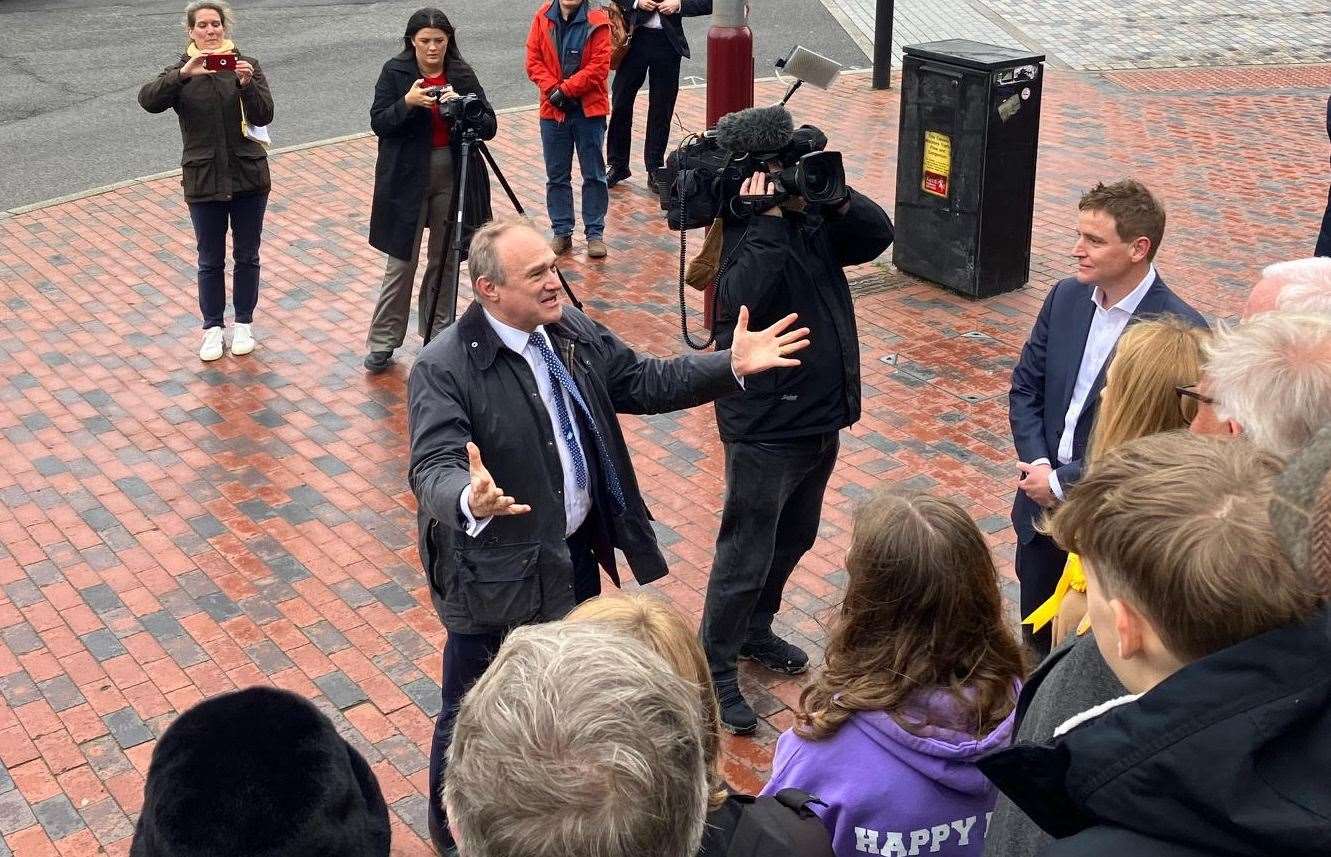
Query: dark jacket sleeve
{"type": "Point", "coordinates": [1026, 398]}
{"type": "Point", "coordinates": [649, 385]}
{"type": "Point", "coordinates": [388, 112]}
{"type": "Point", "coordinates": [1068, 474]}
{"type": "Point", "coordinates": [160, 93]}
{"type": "Point", "coordinates": [439, 428]}
{"type": "Point", "coordinates": [756, 264]}
{"type": "Point", "coordinates": [690, 8]}
{"type": "Point", "coordinates": [862, 233]}
{"type": "Point", "coordinates": [256, 97]}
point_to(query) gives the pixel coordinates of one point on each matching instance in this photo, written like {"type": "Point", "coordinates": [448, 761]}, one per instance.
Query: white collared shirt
{"type": "Point", "coordinates": [577, 501]}
{"type": "Point", "coordinates": [1107, 325]}
{"type": "Point", "coordinates": [652, 23]}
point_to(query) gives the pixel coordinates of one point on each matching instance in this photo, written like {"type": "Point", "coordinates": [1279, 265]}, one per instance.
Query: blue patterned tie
{"type": "Point", "coordinates": [563, 380]}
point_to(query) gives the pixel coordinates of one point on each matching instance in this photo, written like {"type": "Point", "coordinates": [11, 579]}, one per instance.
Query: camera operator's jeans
{"type": "Point", "coordinates": [388, 325]}
{"type": "Point", "coordinates": [774, 501]}
{"type": "Point", "coordinates": [210, 219]}
{"type": "Point", "coordinates": [558, 142]}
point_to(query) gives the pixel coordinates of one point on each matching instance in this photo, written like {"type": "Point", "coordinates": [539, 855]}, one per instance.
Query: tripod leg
{"type": "Point", "coordinates": [517, 206]}
{"type": "Point", "coordinates": [451, 264]}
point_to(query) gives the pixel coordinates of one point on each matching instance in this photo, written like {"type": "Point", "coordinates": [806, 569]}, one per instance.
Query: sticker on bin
{"type": "Point", "coordinates": [937, 163]}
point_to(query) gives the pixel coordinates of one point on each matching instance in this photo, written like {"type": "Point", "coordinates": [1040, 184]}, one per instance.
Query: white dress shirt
{"type": "Point", "coordinates": [577, 501]}
{"type": "Point", "coordinates": [652, 23]}
{"type": "Point", "coordinates": [1107, 325]}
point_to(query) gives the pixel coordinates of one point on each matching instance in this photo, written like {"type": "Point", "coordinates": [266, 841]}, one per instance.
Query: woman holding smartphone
{"type": "Point", "coordinates": [416, 175]}
{"type": "Point", "coordinates": [220, 97]}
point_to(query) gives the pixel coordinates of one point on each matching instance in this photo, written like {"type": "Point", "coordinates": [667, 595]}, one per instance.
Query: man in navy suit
{"type": "Point", "coordinates": [1056, 384]}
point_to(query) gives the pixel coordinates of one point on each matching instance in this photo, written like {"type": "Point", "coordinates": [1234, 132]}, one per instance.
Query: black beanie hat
{"type": "Point", "coordinates": [259, 771]}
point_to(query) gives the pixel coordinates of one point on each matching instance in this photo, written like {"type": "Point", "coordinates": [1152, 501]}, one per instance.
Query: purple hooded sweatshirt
{"type": "Point", "coordinates": [893, 793]}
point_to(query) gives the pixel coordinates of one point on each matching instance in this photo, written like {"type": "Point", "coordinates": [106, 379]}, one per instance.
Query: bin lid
{"type": "Point", "coordinates": [977, 55]}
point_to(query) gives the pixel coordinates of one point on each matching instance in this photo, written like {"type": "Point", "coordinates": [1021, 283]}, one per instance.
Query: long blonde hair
{"type": "Point", "coordinates": [1152, 358]}
{"type": "Point", "coordinates": [665, 630]}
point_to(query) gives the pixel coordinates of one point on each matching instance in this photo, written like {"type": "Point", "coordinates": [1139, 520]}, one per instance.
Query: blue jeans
{"type": "Point", "coordinates": [558, 140]}
{"type": "Point", "coordinates": [245, 214]}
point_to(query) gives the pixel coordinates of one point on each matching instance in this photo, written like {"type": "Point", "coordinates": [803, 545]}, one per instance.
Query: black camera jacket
{"type": "Point", "coordinates": [793, 263]}
{"type": "Point", "coordinates": [402, 169]}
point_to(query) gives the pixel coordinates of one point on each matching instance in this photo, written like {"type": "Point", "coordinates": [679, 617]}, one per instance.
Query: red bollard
{"type": "Point", "coordinates": [729, 78]}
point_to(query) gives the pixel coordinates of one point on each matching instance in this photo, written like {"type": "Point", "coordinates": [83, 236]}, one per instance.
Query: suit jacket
{"type": "Point", "coordinates": [671, 25]}
{"type": "Point", "coordinates": [467, 386]}
{"type": "Point", "coordinates": [1043, 379]}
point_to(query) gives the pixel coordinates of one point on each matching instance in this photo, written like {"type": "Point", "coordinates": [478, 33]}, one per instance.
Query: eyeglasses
{"type": "Point", "coordinates": [1190, 401]}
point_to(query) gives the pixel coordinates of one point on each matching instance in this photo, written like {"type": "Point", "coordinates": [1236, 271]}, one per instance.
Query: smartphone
{"type": "Point", "coordinates": [220, 62]}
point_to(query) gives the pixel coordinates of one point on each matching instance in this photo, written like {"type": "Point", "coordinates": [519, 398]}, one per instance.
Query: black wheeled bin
{"type": "Point", "coordinates": [970, 127]}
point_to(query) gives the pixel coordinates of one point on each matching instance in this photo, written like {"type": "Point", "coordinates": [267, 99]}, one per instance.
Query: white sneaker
{"type": "Point", "coordinates": [212, 344]}
{"type": "Point", "coordinates": [242, 341]}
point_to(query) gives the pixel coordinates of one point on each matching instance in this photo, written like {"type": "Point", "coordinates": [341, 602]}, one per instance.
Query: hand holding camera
{"type": "Point", "coordinates": [197, 66]}
{"type": "Point", "coordinates": [758, 189]}
{"type": "Point", "coordinates": [418, 96]}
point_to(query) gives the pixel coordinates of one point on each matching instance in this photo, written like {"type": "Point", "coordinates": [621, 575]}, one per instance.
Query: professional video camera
{"type": "Point", "coordinates": [701, 179]}
{"type": "Point", "coordinates": [463, 110]}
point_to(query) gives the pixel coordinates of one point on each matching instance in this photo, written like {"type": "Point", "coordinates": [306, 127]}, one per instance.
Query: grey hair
{"type": "Point", "coordinates": [1272, 375]}
{"type": "Point", "coordinates": [483, 253]}
{"type": "Point", "coordinates": [577, 742]}
{"type": "Point", "coordinates": [1305, 284]}
{"type": "Point", "coordinates": [221, 7]}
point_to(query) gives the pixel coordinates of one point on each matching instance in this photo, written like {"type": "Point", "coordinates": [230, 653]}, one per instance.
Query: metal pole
{"type": "Point", "coordinates": [882, 44]}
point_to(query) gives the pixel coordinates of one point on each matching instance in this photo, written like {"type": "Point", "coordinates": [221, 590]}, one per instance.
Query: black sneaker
{"type": "Point", "coordinates": [736, 715]}
{"type": "Point", "coordinates": [378, 361]}
{"type": "Point", "coordinates": [776, 654]}
{"type": "Point", "coordinates": [616, 175]}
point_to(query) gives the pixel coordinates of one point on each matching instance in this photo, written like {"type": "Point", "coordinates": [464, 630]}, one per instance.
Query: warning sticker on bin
{"type": "Point", "coordinates": [937, 163]}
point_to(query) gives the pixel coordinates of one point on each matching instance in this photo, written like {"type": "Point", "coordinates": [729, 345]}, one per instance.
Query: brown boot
{"type": "Point", "coordinates": [561, 244]}
{"type": "Point", "coordinates": [596, 248]}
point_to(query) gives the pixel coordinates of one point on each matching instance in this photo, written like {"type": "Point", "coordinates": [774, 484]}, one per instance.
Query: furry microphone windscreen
{"type": "Point", "coordinates": [259, 771]}
{"type": "Point", "coordinates": [757, 129]}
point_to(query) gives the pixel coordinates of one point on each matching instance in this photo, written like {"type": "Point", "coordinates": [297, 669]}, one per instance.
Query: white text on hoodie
{"type": "Point", "coordinates": [894, 844]}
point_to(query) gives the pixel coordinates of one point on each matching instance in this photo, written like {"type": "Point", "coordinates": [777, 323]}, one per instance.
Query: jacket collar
{"type": "Point", "coordinates": [483, 344]}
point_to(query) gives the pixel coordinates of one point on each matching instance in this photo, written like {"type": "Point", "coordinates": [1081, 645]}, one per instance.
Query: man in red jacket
{"type": "Point", "coordinates": [568, 58]}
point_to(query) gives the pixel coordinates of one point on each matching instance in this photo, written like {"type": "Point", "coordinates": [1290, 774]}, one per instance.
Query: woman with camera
{"type": "Point", "coordinates": [222, 101]}
{"type": "Point", "coordinates": [416, 176]}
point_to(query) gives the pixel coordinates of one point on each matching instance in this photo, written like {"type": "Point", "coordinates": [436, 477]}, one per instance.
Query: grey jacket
{"type": "Point", "coordinates": [1073, 679]}
{"type": "Point", "coordinates": [467, 386]}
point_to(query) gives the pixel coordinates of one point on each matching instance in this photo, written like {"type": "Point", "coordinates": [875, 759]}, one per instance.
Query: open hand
{"type": "Point", "coordinates": [194, 68]}
{"type": "Point", "coordinates": [754, 351]}
{"type": "Point", "coordinates": [761, 184]}
{"type": "Point", "coordinates": [487, 499]}
{"type": "Point", "coordinates": [1035, 482]}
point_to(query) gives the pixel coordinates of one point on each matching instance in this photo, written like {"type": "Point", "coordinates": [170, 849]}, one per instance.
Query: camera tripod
{"type": "Point", "coordinates": [453, 252]}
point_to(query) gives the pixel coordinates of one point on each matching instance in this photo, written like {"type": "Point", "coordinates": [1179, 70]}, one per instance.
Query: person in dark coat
{"type": "Point", "coordinates": [259, 771]}
{"type": "Point", "coordinates": [1222, 745]}
{"type": "Point", "coordinates": [781, 435]}
{"type": "Point", "coordinates": [416, 176]}
{"type": "Point", "coordinates": [223, 115]}
{"type": "Point", "coordinates": [1057, 381]}
{"type": "Point", "coordinates": [1324, 238]}
{"type": "Point", "coordinates": [518, 464]}
{"type": "Point", "coordinates": [657, 45]}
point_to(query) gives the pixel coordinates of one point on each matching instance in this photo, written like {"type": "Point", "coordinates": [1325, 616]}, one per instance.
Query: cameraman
{"type": "Point", "coordinates": [781, 434]}
{"type": "Point", "coordinates": [415, 177]}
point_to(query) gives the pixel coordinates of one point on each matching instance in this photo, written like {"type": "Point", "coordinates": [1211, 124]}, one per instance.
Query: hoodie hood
{"type": "Point", "coordinates": [943, 750]}
{"type": "Point", "coordinates": [1229, 755]}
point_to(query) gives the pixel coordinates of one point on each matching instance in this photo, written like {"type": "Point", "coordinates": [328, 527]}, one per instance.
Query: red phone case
{"type": "Point", "coordinates": [220, 62]}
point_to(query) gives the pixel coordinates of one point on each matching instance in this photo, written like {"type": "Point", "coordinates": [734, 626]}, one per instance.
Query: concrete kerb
{"type": "Point", "coordinates": [314, 144]}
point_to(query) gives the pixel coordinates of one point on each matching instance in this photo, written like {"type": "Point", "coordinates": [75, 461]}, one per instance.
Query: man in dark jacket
{"type": "Point", "coordinates": [1057, 381]}
{"type": "Point", "coordinates": [781, 434]}
{"type": "Point", "coordinates": [1324, 238]}
{"type": "Point", "coordinates": [657, 45]}
{"type": "Point", "coordinates": [518, 464]}
{"type": "Point", "coordinates": [1223, 744]}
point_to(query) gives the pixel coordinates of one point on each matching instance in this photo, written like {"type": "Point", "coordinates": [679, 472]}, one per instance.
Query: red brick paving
{"type": "Point", "coordinates": [172, 530]}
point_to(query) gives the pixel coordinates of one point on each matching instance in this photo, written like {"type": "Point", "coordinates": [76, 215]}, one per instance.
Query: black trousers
{"type": "Point", "coordinates": [465, 659]}
{"type": "Point", "coordinates": [1040, 564]}
{"type": "Point", "coordinates": [1324, 238]}
{"type": "Point", "coordinates": [244, 215]}
{"type": "Point", "coordinates": [774, 501]}
{"type": "Point", "coordinates": [651, 57]}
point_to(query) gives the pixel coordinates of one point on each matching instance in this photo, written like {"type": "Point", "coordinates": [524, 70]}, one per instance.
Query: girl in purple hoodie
{"type": "Point", "coordinates": [921, 677]}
